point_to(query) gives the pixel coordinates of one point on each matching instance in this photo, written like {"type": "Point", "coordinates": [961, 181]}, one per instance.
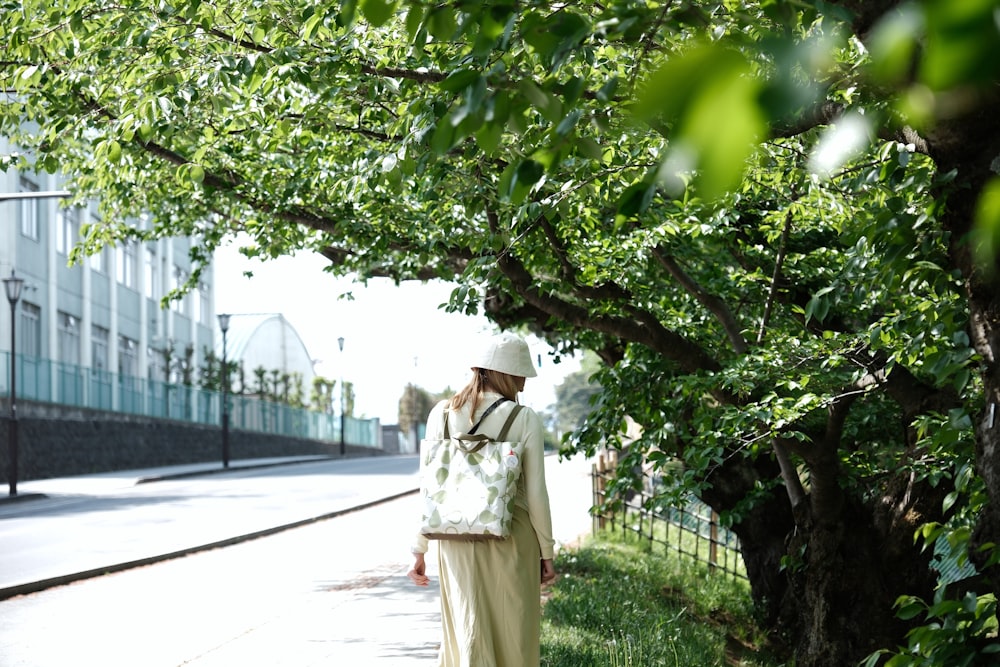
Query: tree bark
{"type": "Point", "coordinates": [970, 146]}
{"type": "Point", "coordinates": [839, 601]}
{"type": "Point", "coordinates": [763, 529]}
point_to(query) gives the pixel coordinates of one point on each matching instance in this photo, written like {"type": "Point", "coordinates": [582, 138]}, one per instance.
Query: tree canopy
{"type": "Point", "coordinates": [773, 221]}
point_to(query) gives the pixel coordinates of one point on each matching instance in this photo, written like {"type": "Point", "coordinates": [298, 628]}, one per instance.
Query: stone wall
{"type": "Point", "coordinates": [62, 443]}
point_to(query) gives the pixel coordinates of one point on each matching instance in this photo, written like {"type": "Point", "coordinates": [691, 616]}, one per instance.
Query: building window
{"type": "Point", "coordinates": [99, 339]}
{"type": "Point", "coordinates": [30, 339]}
{"type": "Point", "coordinates": [69, 338]}
{"type": "Point", "coordinates": [156, 364]}
{"type": "Point", "coordinates": [182, 305]}
{"type": "Point", "coordinates": [29, 209]}
{"type": "Point", "coordinates": [153, 289]}
{"type": "Point", "coordinates": [127, 269]}
{"type": "Point", "coordinates": [68, 231]}
{"type": "Point", "coordinates": [98, 261]}
{"type": "Point", "coordinates": [204, 304]}
{"type": "Point", "coordinates": [128, 357]}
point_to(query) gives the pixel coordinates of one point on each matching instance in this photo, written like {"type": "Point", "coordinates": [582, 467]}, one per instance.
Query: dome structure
{"type": "Point", "coordinates": [269, 341]}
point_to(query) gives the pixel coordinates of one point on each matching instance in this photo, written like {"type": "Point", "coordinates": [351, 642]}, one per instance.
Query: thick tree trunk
{"type": "Point", "coordinates": [984, 300]}
{"type": "Point", "coordinates": [970, 146]}
{"type": "Point", "coordinates": [763, 529]}
{"type": "Point", "coordinates": [833, 603]}
{"type": "Point", "coordinates": [839, 604]}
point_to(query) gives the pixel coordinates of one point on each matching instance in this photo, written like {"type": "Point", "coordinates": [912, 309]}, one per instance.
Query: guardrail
{"type": "Point", "coordinates": [46, 381]}
{"type": "Point", "coordinates": [690, 531]}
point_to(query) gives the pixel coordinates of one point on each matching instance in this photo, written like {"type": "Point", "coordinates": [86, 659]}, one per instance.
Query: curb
{"type": "Point", "coordinates": [233, 468]}
{"type": "Point", "coordinates": [37, 586]}
{"type": "Point", "coordinates": [20, 497]}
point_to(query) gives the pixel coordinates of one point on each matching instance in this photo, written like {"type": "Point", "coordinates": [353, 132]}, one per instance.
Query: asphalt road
{"type": "Point", "coordinates": [101, 522]}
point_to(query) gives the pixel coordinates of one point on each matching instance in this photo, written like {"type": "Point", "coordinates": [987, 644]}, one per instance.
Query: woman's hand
{"type": "Point", "coordinates": [548, 570]}
{"type": "Point", "coordinates": [417, 572]}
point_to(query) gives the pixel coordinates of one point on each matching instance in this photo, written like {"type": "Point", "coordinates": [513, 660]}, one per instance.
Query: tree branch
{"type": "Point", "coordinates": [778, 263]}
{"type": "Point", "coordinates": [714, 304]}
{"type": "Point", "coordinates": [793, 484]}
{"type": "Point", "coordinates": [648, 331]}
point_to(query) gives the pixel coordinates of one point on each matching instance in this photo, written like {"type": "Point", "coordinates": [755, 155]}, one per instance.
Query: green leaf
{"type": "Point", "coordinates": [546, 104]}
{"type": "Point", "coordinates": [444, 137]}
{"type": "Point", "coordinates": [528, 173]}
{"type": "Point", "coordinates": [961, 44]}
{"type": "Point", "coordinates": [910, 610]}
{"type": "Point", "coordinates": [893, 44]}
{"type": "Point", "coordinates": [488, 137]}
{"type": "Point", "coordinates": [441, 22]}
{"type": "Point", "coordinates": [636, 199]}
{"type": "Point", "coordinates": [114, 151]}
{"type": "Point", "coordinates": [710, 98]}
{"type": "Point", "coordinates": [414, 19]}
{"type": "Point", "coordinates": [460, 79]}
{"type": "Point", "coordinates": [197, 173]}
{"type": "Point", "coordinates": [377, 12]}
{"type": "Point", "coordinates": [987, 223]}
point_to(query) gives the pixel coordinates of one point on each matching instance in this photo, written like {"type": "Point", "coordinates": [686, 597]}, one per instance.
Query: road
{"type": "Point", "coordinates": [95, 522]}
{"type": "Point", "coordinates": [331, 592]}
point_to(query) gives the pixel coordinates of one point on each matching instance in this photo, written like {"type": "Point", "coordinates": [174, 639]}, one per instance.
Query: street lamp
{"type": "Point", "coordinates": [224, 325]}
{"type": "Point", "coordinates": [13, 287]}
{"type": "Point", "coordinates": [343, 420]}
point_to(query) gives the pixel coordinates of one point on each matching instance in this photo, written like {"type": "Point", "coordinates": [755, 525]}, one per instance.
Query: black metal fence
{"type": "Point", "coordinates": [690, 531]}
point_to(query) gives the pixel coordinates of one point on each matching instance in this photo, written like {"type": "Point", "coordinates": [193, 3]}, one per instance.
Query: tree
{"type": "Point", "coordinates": [349, 398]}
{"type": "Point", "coordinates": [414, 406]}
{"type": "Point", "coordinates": [575, 396]}
{"type": "Point", "coordinates": [323, 394]}
{"type": "Point", "coordinates": [772, 221]}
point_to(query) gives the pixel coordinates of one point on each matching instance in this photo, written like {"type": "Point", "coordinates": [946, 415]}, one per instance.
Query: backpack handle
{"type": "Point", "coordinates": [470, 443]}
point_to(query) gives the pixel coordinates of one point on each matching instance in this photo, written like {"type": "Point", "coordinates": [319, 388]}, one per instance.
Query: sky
{"type": "Point", "coordinates": [392, 335]}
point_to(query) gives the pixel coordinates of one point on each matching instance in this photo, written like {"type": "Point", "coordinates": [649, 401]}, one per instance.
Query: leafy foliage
{"type": "Point", "coordinates": [772, 221]}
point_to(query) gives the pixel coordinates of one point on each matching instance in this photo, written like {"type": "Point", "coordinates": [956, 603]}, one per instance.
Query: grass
{"type": "Point", "coordinates": [616, 604]}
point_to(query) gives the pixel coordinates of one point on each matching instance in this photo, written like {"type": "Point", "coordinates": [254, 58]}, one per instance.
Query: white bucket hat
{"type": "Point", "coordinates": [506, 353]}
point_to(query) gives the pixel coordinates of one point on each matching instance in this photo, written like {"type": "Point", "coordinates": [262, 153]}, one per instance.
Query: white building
{"type": "Point", "coordinates": [95, 335]}
{"type": "Point", "coordinates": [269, 341]}
{"type": "Point", "coordinates": [104, 314]}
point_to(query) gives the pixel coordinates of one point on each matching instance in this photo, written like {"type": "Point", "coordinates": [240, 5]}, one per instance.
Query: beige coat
{"type": "Point", "coordinates": [490, 591]}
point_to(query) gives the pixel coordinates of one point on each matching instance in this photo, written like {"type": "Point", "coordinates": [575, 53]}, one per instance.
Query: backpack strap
{"type": "Point", "coordinates": [507, 424]}
{"type": "Point", "coordinates": [490, 409]}
{"type": "Point", "coordinates": [470, 443]}
{"type": "Point", "coordinates": [496, 404]}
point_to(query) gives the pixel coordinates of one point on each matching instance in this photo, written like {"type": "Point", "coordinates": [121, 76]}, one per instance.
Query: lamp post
{"type": "Point", "coordinates": [13, 286]}
{"type": "Point", "coordinates": [224, 325]}
{"type": "Point", "coordinates": [343, 419]}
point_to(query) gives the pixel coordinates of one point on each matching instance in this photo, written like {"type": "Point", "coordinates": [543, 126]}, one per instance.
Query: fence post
{"type": "Point", "coordinates": [713, 554]}
{"type": "Point", "coordinates": [595, 483]}
{"type": "Point", "coordinates": [600, 485]}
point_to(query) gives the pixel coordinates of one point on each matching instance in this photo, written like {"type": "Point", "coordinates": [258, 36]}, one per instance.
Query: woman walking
{"type": "Point", "coordinates": [490, 590]}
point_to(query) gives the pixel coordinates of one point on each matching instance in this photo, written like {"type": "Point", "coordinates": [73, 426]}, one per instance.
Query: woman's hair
{"type": "Point", "coordinates": [485, 380]}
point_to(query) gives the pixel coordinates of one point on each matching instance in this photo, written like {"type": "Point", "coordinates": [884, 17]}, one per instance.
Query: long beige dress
{"type": "Point", "coordinates": [490, 591]}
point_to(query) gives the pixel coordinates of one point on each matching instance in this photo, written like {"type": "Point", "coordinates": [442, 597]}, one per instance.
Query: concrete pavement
{"type": "Point", "coordinates": [363, 612]}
